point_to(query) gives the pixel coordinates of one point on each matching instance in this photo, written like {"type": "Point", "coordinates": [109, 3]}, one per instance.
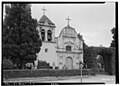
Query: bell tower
{"type": "Point", "coordinates": [46, 28]}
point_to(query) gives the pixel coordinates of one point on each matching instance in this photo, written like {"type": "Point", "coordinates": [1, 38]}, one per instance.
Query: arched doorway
{"type": "Point", "coordinates": [100, 63]}
{"type": "Point", "coordinates": [69, 63]}
{"type": "Point", "coordinates": [108, 55]}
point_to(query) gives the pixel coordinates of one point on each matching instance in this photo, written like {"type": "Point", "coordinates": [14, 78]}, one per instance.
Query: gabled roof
{"type": "Point", "coordinates": [44, 18]}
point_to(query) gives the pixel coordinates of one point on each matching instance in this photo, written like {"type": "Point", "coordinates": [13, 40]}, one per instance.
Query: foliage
{"type": "Point", "coordinates": [80, 37]}
{"type": "Point", "coordinates": [42, 73]}
{"type": "Point", "coordinates": [7, 64]}
{"type": "Point", "coordinates": [108, 55]}
{"type": "Point", "coordinates": [113, 31]}
{"type": "Point", "coordinates": [90, 57]}
{"type": "Point", "coordinates": [43, 64]}
{"type": "Point", "coordinates": [21, 41]}
{"type": "Point", "coordinates": [109, 59]}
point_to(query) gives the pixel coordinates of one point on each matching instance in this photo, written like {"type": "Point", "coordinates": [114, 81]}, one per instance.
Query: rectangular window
{"type": "Point", "coordinates": [46, 49]}
{"type": "Point", "coordinates": [68, 48]}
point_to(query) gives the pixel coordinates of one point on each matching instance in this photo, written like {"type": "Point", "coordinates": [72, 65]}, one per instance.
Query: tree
{"type": "Point", "coordinates": [80, 37]}
{"type": "Point", "coordinates": [113, 44]}
{"type": "Point", "coordinates": [109, 59]}
{"type": "Point", "coordinates": [20, 40]}
{"type": "Point", "coordinates": [90, 57]}
{"type": "Point", "coordinates": [7, 64]}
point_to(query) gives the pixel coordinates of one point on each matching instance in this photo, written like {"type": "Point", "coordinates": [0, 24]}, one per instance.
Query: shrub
{"type": "Point", "coordinates": [43, 65]}
{"type": "Point", "coordinates": [7, 64]}
{"type": "Point", "coordinates": [41, 73]}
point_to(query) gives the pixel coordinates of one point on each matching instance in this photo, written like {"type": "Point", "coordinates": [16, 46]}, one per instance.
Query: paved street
{"type": "Point", "coordinates": [73, 79]}
{"type": "Point", "coordinates": [92, 79]}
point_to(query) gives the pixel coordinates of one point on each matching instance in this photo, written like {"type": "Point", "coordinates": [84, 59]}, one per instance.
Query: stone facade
{"type": "Point", "coordinates": [64, 51]}
{"type": "Point", "coordinates": [69, 49]}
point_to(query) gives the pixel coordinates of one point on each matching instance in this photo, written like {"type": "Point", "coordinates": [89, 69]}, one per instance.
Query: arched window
{"type": "Point", "coordinates": [43, 34]}
{"type": "Point", "coordinates": [68, 48]}
{"type": "Point", "coordinates": [49, 35]}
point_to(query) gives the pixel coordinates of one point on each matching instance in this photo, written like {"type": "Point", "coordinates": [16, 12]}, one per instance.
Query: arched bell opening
{"type": "Point", "coordinates": [43, 34]}
{"type": "Point", "coordinates": [49, 35]}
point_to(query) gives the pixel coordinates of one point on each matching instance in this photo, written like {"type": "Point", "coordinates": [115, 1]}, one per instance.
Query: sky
{"type": "Point", "coordinates": [93, 21]}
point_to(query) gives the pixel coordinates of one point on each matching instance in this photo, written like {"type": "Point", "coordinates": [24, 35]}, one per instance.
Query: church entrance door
{"type": "Point", "coordinates": [69, 63]}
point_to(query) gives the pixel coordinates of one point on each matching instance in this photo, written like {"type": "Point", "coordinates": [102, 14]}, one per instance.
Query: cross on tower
{"type": "Point", "coordinates": [68, 19]}
{"type": "Point", "coordinates": [44, 10]}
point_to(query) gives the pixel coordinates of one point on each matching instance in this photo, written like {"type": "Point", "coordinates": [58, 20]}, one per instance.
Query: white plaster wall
{"type": "Point", "coordinates": [49, 56]}
{"type": "Point", "coordinates": [75, 57]}
{"type": "Point", "coordinates": [76, 41]}
{"type": "Point", "coordinates": [60, 60]}
{"type": "Point", "coordinates": [76, 44]}
{"type": "Point", "coordinates": [81, 57]}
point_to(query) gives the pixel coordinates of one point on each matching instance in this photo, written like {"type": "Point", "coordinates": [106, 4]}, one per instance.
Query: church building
{"type": "Point", "coordinates": [64, 51]}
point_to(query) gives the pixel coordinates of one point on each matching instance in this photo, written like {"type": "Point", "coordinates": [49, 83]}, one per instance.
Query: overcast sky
{"type": "Point", "coordinates": [93, 21]}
